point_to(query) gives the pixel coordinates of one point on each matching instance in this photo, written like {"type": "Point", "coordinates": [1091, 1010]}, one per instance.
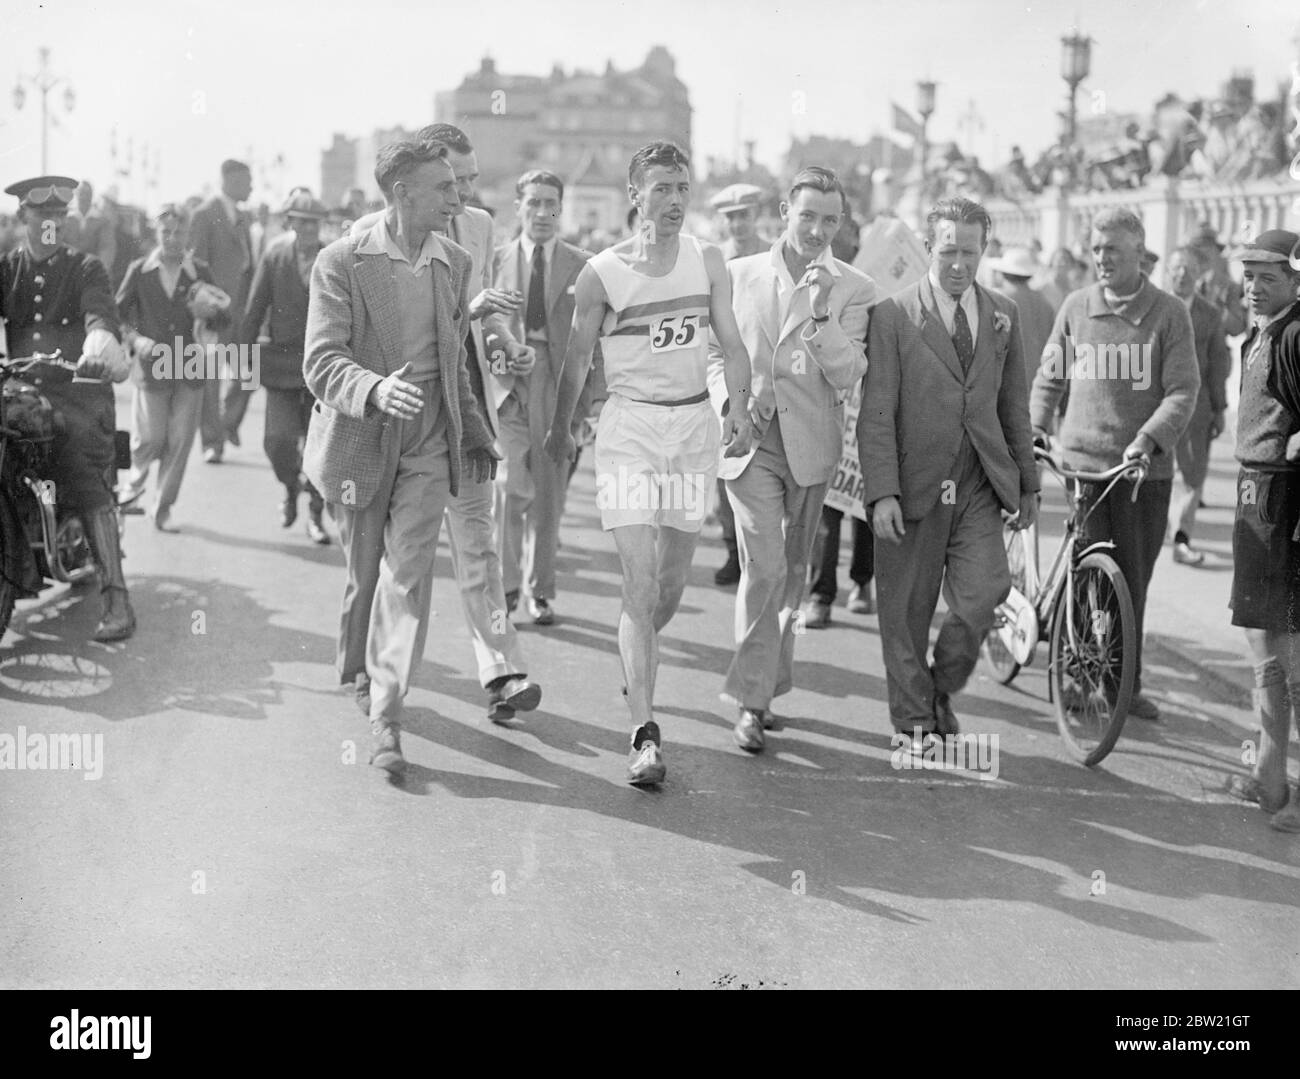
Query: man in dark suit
{"type": "Point", "coordinates": [530, 484]}
{"type": "Point", "coordinates": [1214, 362]}
{"type": "Point", "coordinates": [945, 445]}
{"type": "Point", "coordinates": [220, 237]}
{"type": "Point", "coordinates": [280, 288]}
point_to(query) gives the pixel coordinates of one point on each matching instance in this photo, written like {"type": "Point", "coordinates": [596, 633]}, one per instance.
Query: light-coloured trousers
{"type": "Point", "coordinates": [398, 533]}
{"type": "Point", "coordinates": [530, 490]}
{"type": "Point", "coordinates": [164, 419]}
{"type": "Point", "coordinates": [472, 537]}
{"type": "Point", "coordinates": [776, 523]}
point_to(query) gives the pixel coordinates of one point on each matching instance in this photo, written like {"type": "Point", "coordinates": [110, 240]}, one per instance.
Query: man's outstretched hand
{"type": "Point", "coordinates": [397, 397]}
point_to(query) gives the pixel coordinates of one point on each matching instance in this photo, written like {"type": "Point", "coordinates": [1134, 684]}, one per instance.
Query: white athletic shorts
{"type": "Point", "coordinates": [656, 464]}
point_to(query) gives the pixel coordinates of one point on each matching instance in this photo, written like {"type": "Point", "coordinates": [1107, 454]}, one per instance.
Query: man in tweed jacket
{"type": "Point", "coordinates": [394, 425]}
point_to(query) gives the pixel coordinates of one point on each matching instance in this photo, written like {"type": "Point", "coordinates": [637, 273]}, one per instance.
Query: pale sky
{"type": "Point", "coordinates": [280, 76]}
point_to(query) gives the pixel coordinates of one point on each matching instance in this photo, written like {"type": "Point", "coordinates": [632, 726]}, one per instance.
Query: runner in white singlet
{"type": "Point", "coordinates": [652, 301]}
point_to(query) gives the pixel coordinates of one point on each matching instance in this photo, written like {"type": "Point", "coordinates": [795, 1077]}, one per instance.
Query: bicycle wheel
{"type": "Point", "coordinates": [997, 658]}
{"type": "Point", "coordinates": [1093, 657]}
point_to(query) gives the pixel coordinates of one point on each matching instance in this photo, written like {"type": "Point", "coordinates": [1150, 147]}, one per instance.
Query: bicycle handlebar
{"type": "Point", "coordinates": [1134, 467]}
{"type": "Point", "coordinates": [1138, 466]}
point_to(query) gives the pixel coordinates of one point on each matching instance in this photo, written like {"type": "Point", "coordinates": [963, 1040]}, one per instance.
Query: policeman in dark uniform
{"type": "Point", "coordinates": [54, 297]}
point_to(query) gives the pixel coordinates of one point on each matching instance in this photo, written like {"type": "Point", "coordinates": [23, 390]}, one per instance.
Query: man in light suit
{"type": "Point", "coordinates": [945, 444]}
{"type": "Point", "coordinates": [530, 483]}
{"type": "Point", "coordinates": [802, 315]}
{"type": "Point", "coordinates": [471, 528]}
{"type": "Point", "coordinates": [220, 237]}
{"type": "Point", "coordinates": [395, 412]}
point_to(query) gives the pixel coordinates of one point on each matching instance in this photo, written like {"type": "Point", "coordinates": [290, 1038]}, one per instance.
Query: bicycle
{"type": "Point", "coordinates": [1084, 609]}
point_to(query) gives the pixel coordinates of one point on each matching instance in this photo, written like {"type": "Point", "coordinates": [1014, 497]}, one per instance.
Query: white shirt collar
{"type": "Point", "coordinates": [948, 306]}
{"type": "Point", "coordinates": [154, 262]}
{"type": "Point", "coordinates": [826, 258]}
{"type": "Point", "coordinates": [548, 248]}
{"type": "Point", "coordinates": [377, 240]}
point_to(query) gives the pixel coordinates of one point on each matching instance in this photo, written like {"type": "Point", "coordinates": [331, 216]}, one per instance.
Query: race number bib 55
{"type": "Point", "coordinates": [673, 332]}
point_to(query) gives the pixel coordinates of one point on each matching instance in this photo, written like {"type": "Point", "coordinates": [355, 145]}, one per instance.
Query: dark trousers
{"type": "Point", "coordinates": [727, 518]}
{"type": "Point", "coordinates": [825, 560]}
{"type": "Point", "coordinates": [287, 414]}
{"type": "Point", "coordinates": [1138, 532]}
{"type": "Point", "coordinates": [234, 404]}
{"type": "Point", "coordinates": [83, 468]}
{"type": "Point", "coordinates": [222, 415]}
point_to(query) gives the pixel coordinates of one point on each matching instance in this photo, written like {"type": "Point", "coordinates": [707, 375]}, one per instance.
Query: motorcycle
{"type": "Point", "coordinates": [40, 542]}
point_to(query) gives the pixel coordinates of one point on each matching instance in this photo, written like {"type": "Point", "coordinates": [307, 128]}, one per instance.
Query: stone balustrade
{"type": "Point", "coordinates": [1170, 210]}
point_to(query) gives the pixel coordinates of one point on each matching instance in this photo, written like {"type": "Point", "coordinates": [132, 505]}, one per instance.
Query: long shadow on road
{"type": "Point", "coordinates": [870, 839]}
{"type": "Point", "coordinates": [200, 646]}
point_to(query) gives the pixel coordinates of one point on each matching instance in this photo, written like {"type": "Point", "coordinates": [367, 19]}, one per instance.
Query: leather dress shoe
{"type": "Point", "coordinates": [729, 573]}
{"type": "Point", "coordinates": [511, 695]}
{"type": "Point", "coordinates": [362, 693]}
{"type": "Point", "coordinates": [748, 730]}
{"type": "Point", "coordinates": [316, 530]}
{"type": "Point", "coordinates": [945, 720]}
{"type": "Point", "coordinates": [212, 456]}
{"type": "Point", "coordinates": [386, 747]}
{"type": "Point", "coordinates": [118, 622]}
{"type": "Point", "coordinates": [542, 612]}
{"type": "Point", "coordinates": [816, 614]}
{"type": "Point", "coordinates": [288, 511]}
{"type": "Point", "coordinates": [1141, 707]}
{"type": "Point", "coordinates": [862, 599]}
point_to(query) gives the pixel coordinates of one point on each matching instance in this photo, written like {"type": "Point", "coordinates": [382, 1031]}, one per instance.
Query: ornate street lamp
{"type": "Point", "coordinates": [924, 109]}
{"type": "Point", "coordinates": [44, 81]}
{"type": "Point", "coordinates": [1076, 61]}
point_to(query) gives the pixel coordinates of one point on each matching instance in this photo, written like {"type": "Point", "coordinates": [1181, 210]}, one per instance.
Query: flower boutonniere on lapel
{"type": "Point", "coordinates": [1001, 322]}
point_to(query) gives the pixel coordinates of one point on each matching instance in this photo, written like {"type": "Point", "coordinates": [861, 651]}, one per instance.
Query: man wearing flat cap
{"type": "Point", "coordinates": [739, 205]}
{"type": "Point", "coordinates": [52, 297]}
{"type": "Point", "coordinates": [1266, 535]}
{"type": "Point", "coordinates": [280, 289]}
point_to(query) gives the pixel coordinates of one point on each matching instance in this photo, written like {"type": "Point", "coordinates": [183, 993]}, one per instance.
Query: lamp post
{"type": "Point", "coordinates": [1076, 60]}
{"type": "Point", "coordinates": [44, 81]}
{"type": "Point", "coordinates": [924, 109]}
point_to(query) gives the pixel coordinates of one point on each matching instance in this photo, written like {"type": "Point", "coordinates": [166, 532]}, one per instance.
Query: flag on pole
{"type": "Point", "coordinates": [905, 122]}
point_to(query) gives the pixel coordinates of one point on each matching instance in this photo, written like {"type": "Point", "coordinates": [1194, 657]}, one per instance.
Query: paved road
{"type": "Point", "coordinates": [233, 839]}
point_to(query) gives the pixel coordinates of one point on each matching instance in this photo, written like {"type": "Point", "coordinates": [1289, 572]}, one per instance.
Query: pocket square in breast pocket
{"type": "Point", "coordinates": [571, 290]}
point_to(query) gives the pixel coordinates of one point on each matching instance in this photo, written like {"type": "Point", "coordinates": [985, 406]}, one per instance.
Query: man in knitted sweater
{"type": "Point", "coordinates": [1125, 350]}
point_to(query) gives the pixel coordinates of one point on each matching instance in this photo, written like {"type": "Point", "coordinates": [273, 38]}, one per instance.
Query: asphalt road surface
{"type": "Point", "coordinates": [236, 836]}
